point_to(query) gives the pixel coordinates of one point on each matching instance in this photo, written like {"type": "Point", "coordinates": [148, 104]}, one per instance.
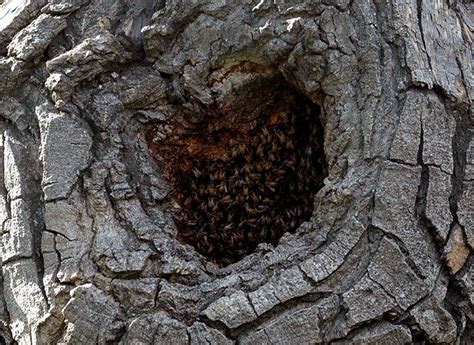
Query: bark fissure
{"type": "Point", "coordinates": [89, 228]}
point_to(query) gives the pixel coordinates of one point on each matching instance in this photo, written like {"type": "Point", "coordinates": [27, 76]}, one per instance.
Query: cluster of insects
{"type": "Point", "coordinates": [253, 187]}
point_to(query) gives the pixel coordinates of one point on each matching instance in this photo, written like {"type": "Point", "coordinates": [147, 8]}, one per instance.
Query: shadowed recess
{"type": "Point", "coordinates": [243, 178]}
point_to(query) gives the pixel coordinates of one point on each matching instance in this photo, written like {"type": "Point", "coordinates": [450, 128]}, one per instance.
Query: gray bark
{"type": "Point", "coordinates": [89, 248]}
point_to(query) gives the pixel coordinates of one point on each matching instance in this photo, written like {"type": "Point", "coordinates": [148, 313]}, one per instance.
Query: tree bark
{"type": "Point", "coordinates": [89, 249]}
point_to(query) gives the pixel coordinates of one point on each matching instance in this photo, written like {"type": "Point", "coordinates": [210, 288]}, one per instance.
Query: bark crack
{"type": "Point", "coordinates": [420, 25]}
{"type": "Point", "coordinates": [421, 199]}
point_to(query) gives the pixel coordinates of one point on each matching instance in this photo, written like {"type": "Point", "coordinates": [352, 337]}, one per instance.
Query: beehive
{"type": "Point", "coordinates": [242, 184]}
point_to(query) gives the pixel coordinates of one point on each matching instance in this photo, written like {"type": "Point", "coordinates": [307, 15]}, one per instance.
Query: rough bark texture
{"type": "Point", "coordinates": [88, 247]}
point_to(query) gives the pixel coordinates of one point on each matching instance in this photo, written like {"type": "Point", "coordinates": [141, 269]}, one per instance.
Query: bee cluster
{"type": "Point", "coordinates": [237, 189]}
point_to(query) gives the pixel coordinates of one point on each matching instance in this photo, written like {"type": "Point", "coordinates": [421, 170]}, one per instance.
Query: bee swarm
{"type": "Point", "coordinates": [242, 182]}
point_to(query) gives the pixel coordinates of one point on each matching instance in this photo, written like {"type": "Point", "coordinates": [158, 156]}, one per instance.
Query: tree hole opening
{"type": "Point", "coordinates": [242, 178]}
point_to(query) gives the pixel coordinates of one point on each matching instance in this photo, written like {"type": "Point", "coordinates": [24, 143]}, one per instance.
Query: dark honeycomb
{"type": "Point", "coordinates": [243, 181]}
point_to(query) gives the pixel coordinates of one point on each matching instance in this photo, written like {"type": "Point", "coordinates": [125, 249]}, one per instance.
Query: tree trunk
{"type": "Point", "coordinates": [107, 109]}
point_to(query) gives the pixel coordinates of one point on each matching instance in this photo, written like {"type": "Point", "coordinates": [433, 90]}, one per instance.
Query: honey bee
{"type": "Point", "coordinates": [239, 199]}
{"type": "Point", "coordinates": [196, 172]}
{"type": "Point", "coordinates": [245, 186]}
{"type": "Point", "coordinates": [225, 200]}
{"type": "Point", "coordinates": [281, 137]}
{"type": "Point", "coordinates": [271, 186]}
{"type": "Point", "coordinates": [260, 150]}
{"type": "Point", "coordinates": [222, 188]}
{"type": "Point", "coordinates": [212, 204]}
